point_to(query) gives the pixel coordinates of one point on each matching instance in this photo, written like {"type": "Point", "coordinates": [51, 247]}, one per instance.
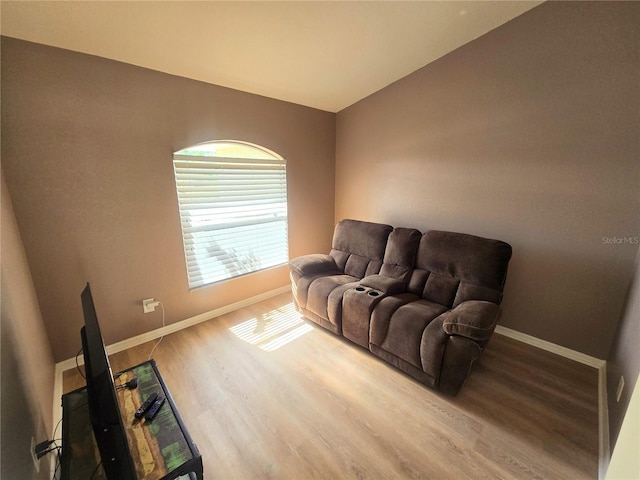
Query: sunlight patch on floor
{"type": "Point", "coordinates": [274, 329]}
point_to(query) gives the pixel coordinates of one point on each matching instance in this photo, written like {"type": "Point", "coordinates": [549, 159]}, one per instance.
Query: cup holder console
{"type": "Point", "coordinates": [370, 291]}
{"type": "Point", "coordinates": [357, 305]}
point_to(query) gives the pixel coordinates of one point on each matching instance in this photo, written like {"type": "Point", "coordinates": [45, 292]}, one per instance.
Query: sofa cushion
{"type": "Point", "coordinates": [400, 253]}
{"type": "Point", "coordinates": [476, 260]}
{"type": "Point", "coordinates": [382, 313]}
{"type": "Point", "coordinates": [454, 267]}
{"type": "Point", "coordinates": [404, 334]}
{"type": "Point", "coordinates": [358, 247]}
{"type": "Point", "coordinates": [319, 292]}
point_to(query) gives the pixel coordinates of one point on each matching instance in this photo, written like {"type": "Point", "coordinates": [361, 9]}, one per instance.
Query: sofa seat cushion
{"type": "Point", "coordinates": [405, 328]}
{"type": "Point", "coordinates": [319, 295]}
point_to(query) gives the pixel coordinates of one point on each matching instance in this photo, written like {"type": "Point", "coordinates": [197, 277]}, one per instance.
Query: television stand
{"type": "Point", "coordinates": [161, 449]}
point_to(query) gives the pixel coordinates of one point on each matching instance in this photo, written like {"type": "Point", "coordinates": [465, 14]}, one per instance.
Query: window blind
{"type": "Point", "coordinates": [233, 213]}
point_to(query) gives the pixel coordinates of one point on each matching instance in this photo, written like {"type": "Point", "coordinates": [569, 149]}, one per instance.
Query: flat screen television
{"type": "Point", "coordinates": [105, 415]}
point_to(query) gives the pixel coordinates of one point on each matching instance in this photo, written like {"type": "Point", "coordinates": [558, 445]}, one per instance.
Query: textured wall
{"type": "Point", "coordinates": [27, 362]}
{"type": "Point", "coordinates": [528, 134]}
{"type": "Point", "coordinates": [87, 153]}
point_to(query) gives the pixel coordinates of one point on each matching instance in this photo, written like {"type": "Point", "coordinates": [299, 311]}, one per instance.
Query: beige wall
{"type": "Point", "coordinates": [27, 361]}
{"type": "Point", "coordinates": [87, 152]}
{"type": "Point", "coordinates": [528, 134]}
{"type": "Point", "coordinates": [625, 463]}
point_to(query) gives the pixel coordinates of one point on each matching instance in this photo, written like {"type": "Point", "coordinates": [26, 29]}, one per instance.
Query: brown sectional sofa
{"type": "Point", "coordinates": [425, 303]}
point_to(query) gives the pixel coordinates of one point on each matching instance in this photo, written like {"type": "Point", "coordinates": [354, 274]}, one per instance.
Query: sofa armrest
{"type": "Point", "coordinates": [313, 264]}
{"type": "Point", "coordinates": [387, 285]}
{"type": "Point", "coordinates": [473, 319]}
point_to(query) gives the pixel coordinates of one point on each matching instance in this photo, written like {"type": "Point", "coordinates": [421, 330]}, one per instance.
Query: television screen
{"type": "Point", "coordinates": [103, 400]}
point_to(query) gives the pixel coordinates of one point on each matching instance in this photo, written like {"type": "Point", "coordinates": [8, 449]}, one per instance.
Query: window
{"type": "Point", "coordinates": [232, 198]}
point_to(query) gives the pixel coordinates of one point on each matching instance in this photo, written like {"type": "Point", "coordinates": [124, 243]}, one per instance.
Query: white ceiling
{"type": "Point", "coordinates": [326, 55]}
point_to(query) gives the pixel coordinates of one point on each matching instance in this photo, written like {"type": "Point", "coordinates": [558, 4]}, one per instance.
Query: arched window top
{"type": "Point", "coordinates": [232, 198]}
{"type": "Point", "coordinates": [229, 149]}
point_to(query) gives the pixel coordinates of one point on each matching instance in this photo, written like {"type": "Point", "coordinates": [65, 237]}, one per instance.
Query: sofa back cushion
{"type": "Point", "coordinates": [400, 254]}
{"type": "Point", "coordinates": [452, 268]}
{"type": "Point", "coordinates": [358, 247]}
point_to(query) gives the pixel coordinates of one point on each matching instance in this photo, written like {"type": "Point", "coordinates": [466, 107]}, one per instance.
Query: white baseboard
{"type": "Point", "coordinates": [598, 364]}
{"type": "Point", "coordinates": [604, 452]}
{"type": "Point", "coordinates": [70, 363]}
{"type": "Point", "coordinates": [175, 327]}
{"type": "Point", "coordinates": [551, 347]}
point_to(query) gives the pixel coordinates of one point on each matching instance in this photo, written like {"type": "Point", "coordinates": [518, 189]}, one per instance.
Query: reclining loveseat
{"type": "Point", "coordinates": [425, 303]}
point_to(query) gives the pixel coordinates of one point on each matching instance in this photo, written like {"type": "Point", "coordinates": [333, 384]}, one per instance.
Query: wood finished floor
{"type": "Point", "coordinates": [321, 407]}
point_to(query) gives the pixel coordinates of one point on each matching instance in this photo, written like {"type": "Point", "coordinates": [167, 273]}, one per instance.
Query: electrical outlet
{"type": "Point", "coordinates": [36, 460]}
{"type": "Point", "coordinates": [149, 305]}
{"type": "Point", "coordinates": [620, 388]}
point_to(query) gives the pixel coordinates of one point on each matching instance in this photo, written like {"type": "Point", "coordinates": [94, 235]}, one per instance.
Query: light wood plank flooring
{"type": "Point", "coordinates": [321, 407]}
